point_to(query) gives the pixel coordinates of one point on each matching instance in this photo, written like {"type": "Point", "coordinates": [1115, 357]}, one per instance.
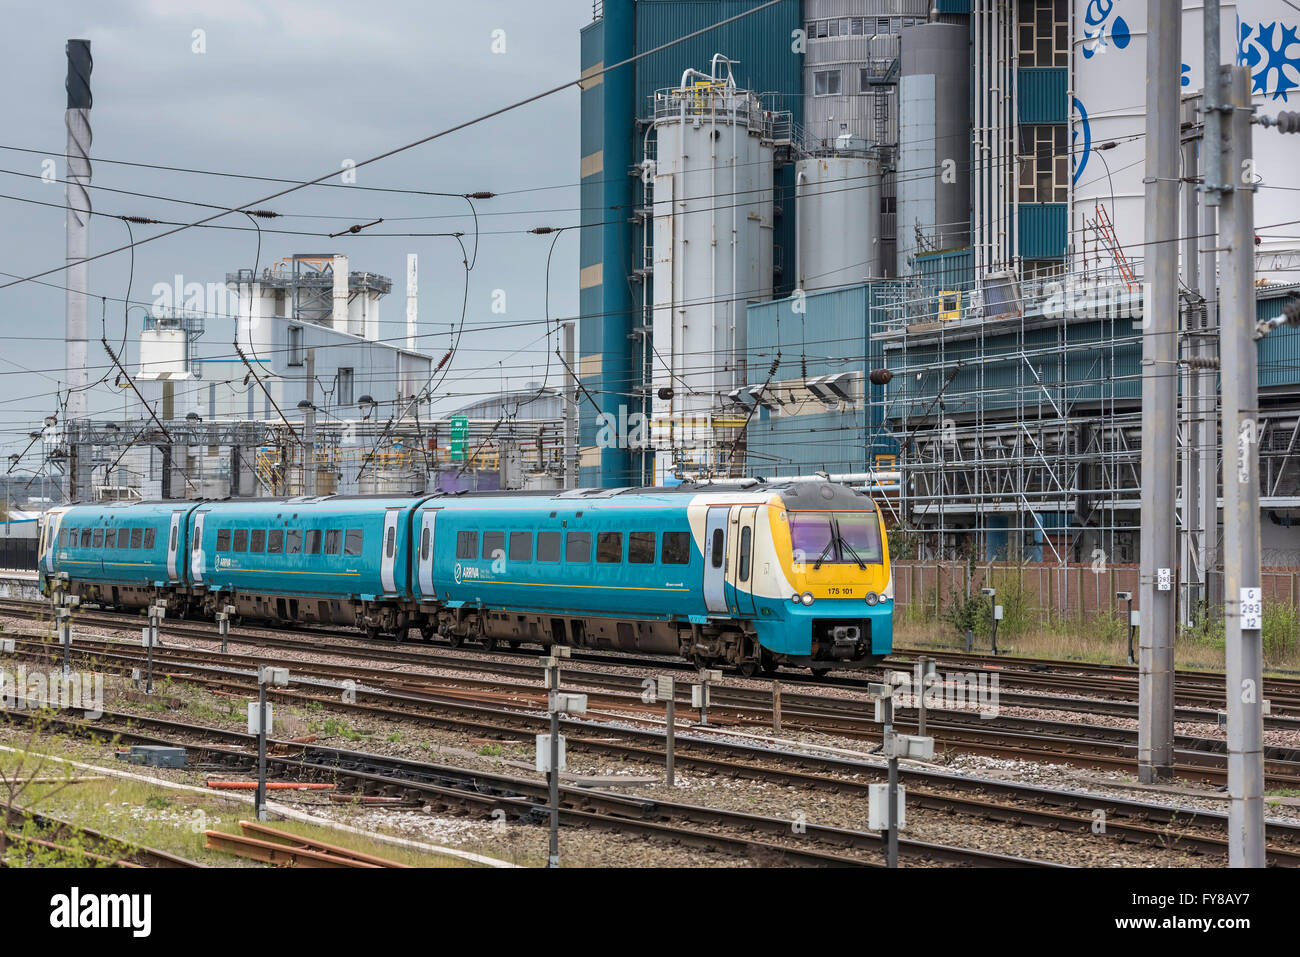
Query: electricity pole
{"type": "Point", "coordinates": [1241, 557]}
{"type": "Point", "coordinates": [1159, 396]}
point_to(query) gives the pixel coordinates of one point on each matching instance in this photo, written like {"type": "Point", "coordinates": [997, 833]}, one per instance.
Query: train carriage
{"type": "Point", "coordinates": [324, 559]}
{"type": "Point", "coordinates": [751, 574]}
{"type": "Point", "coordinates": [116, 553]}
{"type": "Point", "coordinates": [792, 573]}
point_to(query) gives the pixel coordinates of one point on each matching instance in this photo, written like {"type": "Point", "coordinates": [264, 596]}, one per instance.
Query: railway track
{"type": "Point", "coordinates": [1140, 822]}
{"type": "Point", "coordinates": [781, 842]}
{"type": "Point", "coordinates": [1196, 759]}
{"type": "Point", "coordinates": [1060, 686]}
{"type": "Point", "coordinates": [77, 844]}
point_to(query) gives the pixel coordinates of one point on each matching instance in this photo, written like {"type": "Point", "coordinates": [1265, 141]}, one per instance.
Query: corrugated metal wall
{"type": "Point", "coordinates": [1042, 229]}
{"type": "Point", "coordinates": [1279, 351]}
{"type": "Point", "coordinates": [833, 334]}
{"type": "Point", "coordinates": [1042, 94]}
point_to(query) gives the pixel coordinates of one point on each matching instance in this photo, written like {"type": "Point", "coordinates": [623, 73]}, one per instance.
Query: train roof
{"type": "Point", "coordinates": [795, 493]}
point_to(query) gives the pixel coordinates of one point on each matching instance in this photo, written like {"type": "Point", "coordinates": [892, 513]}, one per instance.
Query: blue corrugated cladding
{"type": "Point", "coordinates": [1042, 230]}
{"type": "Point", "coordinates": [1042, 94]}
{"type": "Point", "coordinates": [833, 333]}
{"type": "Point", "coordinates": [954, 269]}
{"type": "Point", "coordinates": [1279, 351]}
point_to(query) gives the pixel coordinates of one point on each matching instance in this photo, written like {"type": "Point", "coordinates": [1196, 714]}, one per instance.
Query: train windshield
{"type": "Point", "coordinates": [836, 537]}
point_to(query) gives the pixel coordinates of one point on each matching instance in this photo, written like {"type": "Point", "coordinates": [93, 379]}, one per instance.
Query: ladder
{"type": "Point", "coordinates": [1106, 229]}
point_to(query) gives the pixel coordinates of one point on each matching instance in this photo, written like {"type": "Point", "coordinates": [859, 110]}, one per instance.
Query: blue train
{"type": "Point", "coordinates": [752, 575]}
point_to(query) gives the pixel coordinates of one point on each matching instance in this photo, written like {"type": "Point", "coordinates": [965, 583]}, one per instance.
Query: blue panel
{"type": "Point", "coordinates": [1042, 230]}
{"type": "Point", "coordinates": [953, 6]}
{"type": "Point", "coordinates": [1042, 94]}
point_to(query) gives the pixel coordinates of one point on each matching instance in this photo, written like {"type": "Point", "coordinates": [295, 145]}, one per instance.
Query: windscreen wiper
{"type": "Point", "coordinates": [821, 558]}
{"type": "Point", "coordinates": [846, 545]}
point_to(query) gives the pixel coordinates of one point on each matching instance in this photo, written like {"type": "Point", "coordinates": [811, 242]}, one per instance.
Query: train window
{"type": "Point", "coordinates": [389, 548]}
{"type": "Point", "coordinates": [676, 548]}
{"type": "Point", "coordinates": [223, 539]}
{"type": "Point", "coordinates": [313, 541]}
{"type": "Point", "coordinates": [137, 535]}
{"type": "Point", "coordinates": [609, 547]}
{"type": "Point", "coordinates": [239, 541]}
{"type": "Point", "coordinates": [85, 538]}
{"type": "Point", "coordinates": [494, 545]}
{"type": "Point", "coordinates": [123, 538]}
{"type": "Point", "coordinates": [578, 547]}
{"type": "Point", "coordinates": [150, 536]}
{"type": "Point", "coordinates": [641, 548]}
{"type": "Point", "coordinates": [548, 546]}
{"type": "Point", "coordinates": [293, 541]}
{"type": "Point", "coordinates": [354, 541]}
{"type": "Point", "coordinates": [257, 540]}
{"type": "Point", "coordinates": [424, 544]}
{"type": "Point", "coordinates": [275, 541]}
{"type": "Point", "coordinates": [98, 540]}
{"type": "Point", "coordinates": [746, 547]}
{"type": "Point", "coordinates": [521, 546]}
{"type": "Point", "coordinates": [717, 549]}
{"type": "Point", "coordinates": [62, 538]}
{"type": "Point", "coordinates": [332, 537]}
{"type": "Point", "coordinates": [467, 544]}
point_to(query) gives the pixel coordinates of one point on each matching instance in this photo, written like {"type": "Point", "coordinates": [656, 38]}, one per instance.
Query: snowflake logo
{"type": "Point", "coordinates": [1272, 52]}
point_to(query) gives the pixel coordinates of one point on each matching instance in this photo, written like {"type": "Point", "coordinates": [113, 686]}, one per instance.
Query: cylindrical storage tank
{"type": "Point", "coordinates": [837, 202]}
{"type": "Point", "coordinates": [934, 136]}
{"type": "Point", "coordinates": [712, 243]}
{"type": "Point", "coordinates": [1108, 207]}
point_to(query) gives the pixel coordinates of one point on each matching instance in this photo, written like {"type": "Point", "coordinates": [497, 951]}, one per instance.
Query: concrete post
{"type": "Point", "coordinates": [1241, 542]}
{"type": "Point", "coordinates": [1159, 396]}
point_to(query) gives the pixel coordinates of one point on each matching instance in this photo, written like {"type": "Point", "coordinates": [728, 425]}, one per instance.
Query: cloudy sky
{"type": "Point", "coordinates": [292, 89]}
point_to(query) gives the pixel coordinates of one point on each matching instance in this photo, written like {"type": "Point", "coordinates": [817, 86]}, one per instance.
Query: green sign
{"type": "Point", "coordinates": [459, 436]}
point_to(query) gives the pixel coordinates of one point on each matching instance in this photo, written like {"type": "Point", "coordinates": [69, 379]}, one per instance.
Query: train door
{"type": "Point", "coordinates": [744, 532]}
{"type": "Point", "coordinates": [388, 558]}
{"type": "Point", "coordinates": [173, 545]}
{"type": "Point", "coordinates": [425, 561]}
{"type": "Point", "coordinates": [197, 565]}
{"type": "Point", "coordinates": [715, 559]}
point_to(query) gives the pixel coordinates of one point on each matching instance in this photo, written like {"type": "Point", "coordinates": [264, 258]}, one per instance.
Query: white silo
{"type": "Point", "coordinates": [837, 207]}
{"type": "Point", "coordinates": [1108, 121]}
{"type": "Point", "coordinates": [712, 254]}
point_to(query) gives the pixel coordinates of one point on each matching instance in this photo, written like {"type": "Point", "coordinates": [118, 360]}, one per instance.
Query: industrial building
{"type": "Point", "coordinates": [957, 207]}
{"type": "Point", "coordinates": [296, 393]}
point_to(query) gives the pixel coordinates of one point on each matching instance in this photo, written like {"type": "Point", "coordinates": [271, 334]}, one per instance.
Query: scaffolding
{"type": "Point", "coordinates": [1017, 422]}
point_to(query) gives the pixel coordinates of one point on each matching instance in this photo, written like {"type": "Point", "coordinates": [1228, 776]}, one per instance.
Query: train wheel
{"type": "Point", "coordinates": [769, 665]}
{"type": "Point", "coordinates": [372, 633]}
{"type": "Point", "coordinates": [489, 644]}
{"type": "Point", "coordinates": [748, 669]}
{"type": "Point", "coordinates": [820, 672]}
{"type": "Point", "coordinates": [428, 632]}
{"type": "Point", "coordinates": [455, 640]}
{"type": "Point", "coordinates": [514, 645]}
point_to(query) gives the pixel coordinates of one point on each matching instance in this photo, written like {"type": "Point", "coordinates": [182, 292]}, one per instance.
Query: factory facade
{"type": "Point", "coordinates": [953, 193]}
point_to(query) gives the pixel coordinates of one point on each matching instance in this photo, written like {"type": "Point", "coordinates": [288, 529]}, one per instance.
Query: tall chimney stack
{"type": "Point", "coordinates": [412, 302]}
{"type": "Point", "coordinates": [77, 198]}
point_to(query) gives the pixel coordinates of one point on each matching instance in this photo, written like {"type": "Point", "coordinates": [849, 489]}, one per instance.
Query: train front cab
{"type": "Point", "coordinates": [827, 599]}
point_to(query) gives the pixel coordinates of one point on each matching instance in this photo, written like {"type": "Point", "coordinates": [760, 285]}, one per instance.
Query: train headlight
{"type": "Point", "coordinates": [807, 598]}
{"type": "Point", "coordinates": [795, 598]}
{"type": "Point", "coordinates": [872, 598]}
